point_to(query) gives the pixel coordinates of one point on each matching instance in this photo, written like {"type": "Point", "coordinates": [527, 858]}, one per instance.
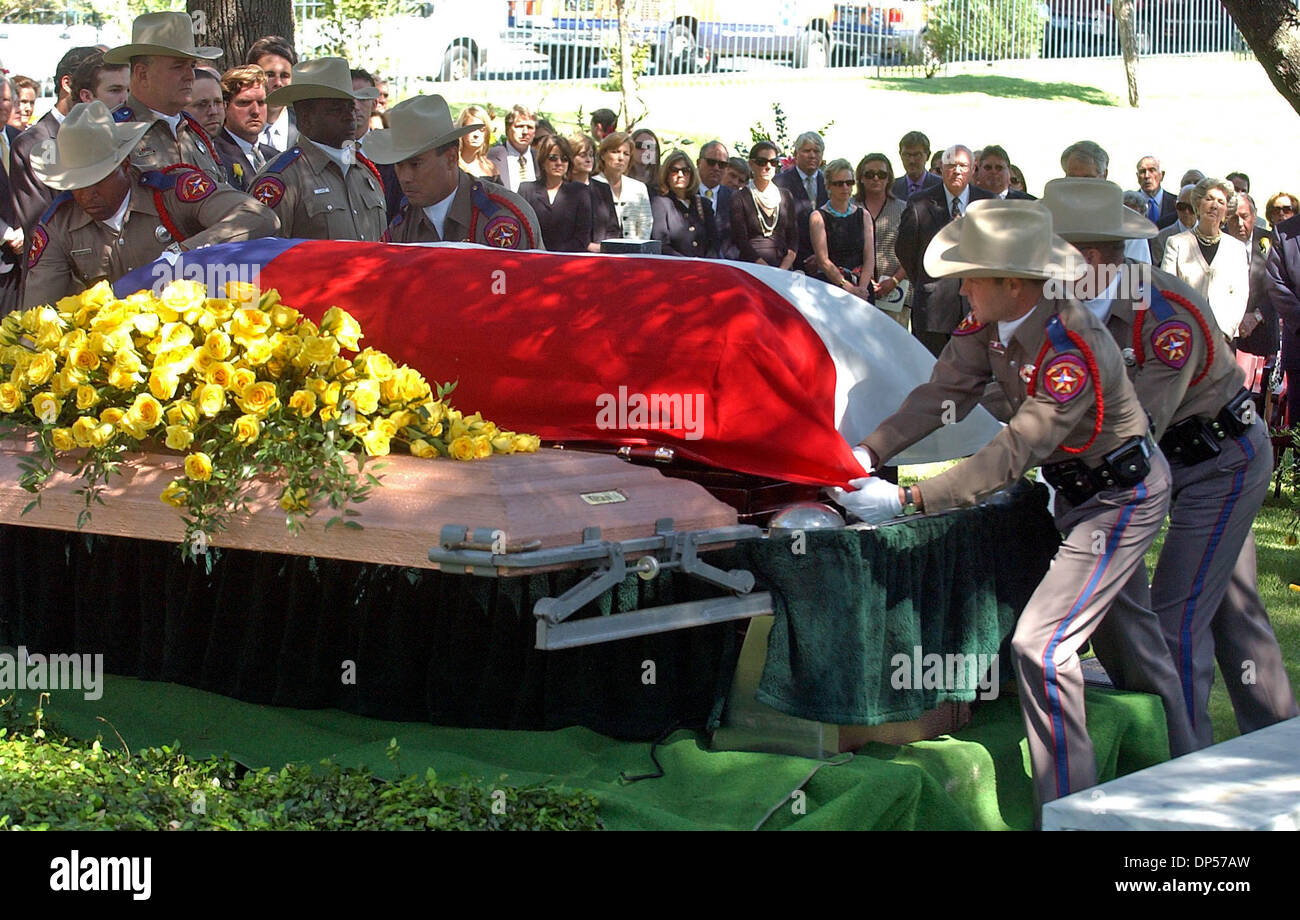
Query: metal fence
{"type": "Point", "coordinates": [564, 40]}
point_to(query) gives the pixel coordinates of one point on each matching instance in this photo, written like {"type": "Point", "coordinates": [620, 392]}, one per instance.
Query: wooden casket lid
{"type": "Point", "coordinates": [535, 500]}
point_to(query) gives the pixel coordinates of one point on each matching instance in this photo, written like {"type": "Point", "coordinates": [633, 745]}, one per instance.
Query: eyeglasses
{"type": "Point", "coordinates": [713, 162]}
{"type": "Point", "coordinates": [841, 183]}
{"type": "Point", "coordinates": [684, 170]}
{"type": "Point", "coordinates": [760, 161]}
{"type": "Point", "coordinates": [874, 174]}
{"type": "Point", "coordinates": [1182, 206]}
{"type": "Point", "coordinates": [645, 145]}
{"type": "Point", "coordinates": [1283, 209]}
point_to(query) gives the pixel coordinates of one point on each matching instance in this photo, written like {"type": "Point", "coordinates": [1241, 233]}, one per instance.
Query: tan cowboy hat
{"type": "Point", "coordinates": [1002, 239]}
{"type": "Point", "coordinates": [323, 78]}
{"type": "Point", "coordinates": [165, 34]}
{"type": "Point", "coordinates": [417, 124]}
{"type": "Point", "coordinates": [89, 146]}
{"type": "Point", "coordinates": [1092, 210]}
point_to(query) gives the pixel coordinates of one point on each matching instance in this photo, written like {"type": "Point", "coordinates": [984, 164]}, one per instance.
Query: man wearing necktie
{"type": "Point", "coordinates": [805, 183]}
{"type": "Point", "coordinates": [514, 159]}
{"type": "Point", "coordinates": [1161, 209]}
{"type": "Point", "coordinates": [712, 167]}
{"type": "Point", "coordinates": [914, 151]}
{"type": "Point", "coordinates": [239, 142]}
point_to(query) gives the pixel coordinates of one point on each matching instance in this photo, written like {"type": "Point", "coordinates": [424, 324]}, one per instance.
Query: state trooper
{"type": "Point", "coordinates": [162, 55]}
{"type": "Point", "coordinates": [1204, 590]}
{"type": "Point", "coordinates": [323, 188]}
{"type": "Point", "coordinates": [110, 218]}
{"type": "Point", "coordinates": [441, 202]}
{"type": "Point", "coordinates": [1076, 415]}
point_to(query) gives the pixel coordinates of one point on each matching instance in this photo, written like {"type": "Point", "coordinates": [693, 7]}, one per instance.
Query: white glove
{"type": "Point", "coordinates": [874, 501]}
{"type": "Point", "coordinates": [864, 457]}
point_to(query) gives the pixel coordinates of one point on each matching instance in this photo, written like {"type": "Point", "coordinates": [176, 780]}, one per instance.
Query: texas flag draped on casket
{"type": "Point", "coordinates": [737, 366]}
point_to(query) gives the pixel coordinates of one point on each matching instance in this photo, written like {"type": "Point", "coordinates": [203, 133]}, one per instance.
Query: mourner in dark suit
{"type": "Point", "coordinates": [1161, 206]}
{"type": "Point", "coordinates": [11, 248]}
{"type": "Point", "coordinates": [937, 304]}
{"type": "Point", "coordinates": [683, 221]}
{"type": "Point", "coordinates": [240, 168]}
{"type": "Point", "coordinates": [565, 219]}
{"type": "Point", "coordinates": [514, 159]}
{"type": "Point", "coordinates": [914, 152]}
{"type": "Point", "coordinates": [1283, 267]}
{"type": "Point", "coordinates": [799, 180]}
{"type": "Point", "coordinates": [711, 166]}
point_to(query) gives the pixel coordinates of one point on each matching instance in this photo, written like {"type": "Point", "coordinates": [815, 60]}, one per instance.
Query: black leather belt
{"type": "Point", "coordinates": [1195, 440]}
{"type": "Point", "coordinates": [1122, 468]}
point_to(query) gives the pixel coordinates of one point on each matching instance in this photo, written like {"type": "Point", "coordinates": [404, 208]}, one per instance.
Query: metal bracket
{"type": "Point", "coordinates": [470, 551]}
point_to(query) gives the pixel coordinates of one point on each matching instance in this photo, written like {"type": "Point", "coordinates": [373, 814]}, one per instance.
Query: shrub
{"type": "Point", "coordinates": [982, 30]}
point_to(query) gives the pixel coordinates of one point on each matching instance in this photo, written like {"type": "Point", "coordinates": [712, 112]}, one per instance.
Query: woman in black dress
{"type": "Point", "coordinates": [843, 235]}
{"type": "Point", "coordinates": [563, 208]}
{"type": "Point", "coordinates": [683, 221]}
{"type": "Point", "coordinates": [604, 216]}
{"type": "Point", "coordinates": [762, 213]}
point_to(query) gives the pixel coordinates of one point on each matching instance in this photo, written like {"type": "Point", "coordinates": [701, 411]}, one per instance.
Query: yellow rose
{"type": "Point", "coordinates": [247, 324]}
{"type": "Point", "coordinates": [63, 439]}
{"type": "Point", "coordinates": [422, 448]}
{"type": "Point", "coordinates": [198, 466]}
{"type": "Point", "coordinates": [66, 381]}
{"type": "Point", "coordinates": [504, 442]}
{"type": "Point", "coordinates": [241, 291]}
{"type": "Point", "coordinates": [112, 415]}
{"type": "Point", "coordinates": [294, 500]}
{"type": "Point", "coordinates": [286, 346]}
{"type": "Point", "coordinates": [328, 413]}
{"type": "Point", "coordinates": [283, 317]}
{"type": "Point", "coordinates": [102, 434]}
{"type": "Point", "coordinates": [179, 437]}
{"type": "Point", "coordinates": [218, 345]}
{"type": "Point", "coordinates": [182, 412]}
{"type": "Point", "coordinates": [365, 395]}
{"type": "Point", "coordinates": [175, 494]}
{"type": "Point", "coordinates": [210, 399]}
{"type": "Point", "coordinates": [527, 443]}
{"type": "Point", "coordinates": [71, 340]}
{"type": "Point", "coordinates": [181, 297]}
{"type": "Point", "coordinates": [243, 379]}
{"type": "Point", "coordinates": [316, 350]}
{"type": "Point", "coordinates": [83, 359]}
{"type": "Point", "coordinates": [87, 396]}
{"type": "Point", "coordinates": [221, 373]}
{"type": "Point", "coordinates": [342, 326]}
{"type": "Point", "coordinates": [433, 431]}
{"type": "Point", "coordinates": [40, 368]}
{"type": "Point", "coordinates": [376, 443]}
{"type": "Point", "coordinates": [258, 351]}
{"type": "Point", "coordinates": [83, 431]}
{"type": "Point", "coordinates": [172, 335]}
{"type": "Point", "coordinates": [376, 364]}
{"type": "Point", "coordinates": [386, 426]}
{"type": "Point", "coordinates": [482, 446]}
{"type": "Point", "coordinates": [47, 406]}
{"type": "Point", "coordinates": [123, 380]}
{"type": "Point", "coordinates": [461, 448]}
{"type": "Point", "coordinates": [258, 399]}
{"type": "Point", "coordinates": [276, 367]}
{"type": "Point", "coordinates": [145, 412]}
{"type": "Point", "coordinates": [132, 427]}
{"type": "Point", "coordinates": [246, 429]}
{"type": "Point", "coordinates": [304, 402]}
{"type": "Point", "coordinates": [203, 360]}
{"type": "Point", "coordinates": [147, 324]}
{"type": "Point", "coordinates": [163, 383]}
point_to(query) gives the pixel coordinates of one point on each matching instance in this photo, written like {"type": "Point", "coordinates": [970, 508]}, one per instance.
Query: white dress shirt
{"type": "Point", "coordinates": [437, 213]}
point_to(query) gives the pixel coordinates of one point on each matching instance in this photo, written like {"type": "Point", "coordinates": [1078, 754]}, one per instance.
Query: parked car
{"type": "Point", "coordinates": [1086, 28]}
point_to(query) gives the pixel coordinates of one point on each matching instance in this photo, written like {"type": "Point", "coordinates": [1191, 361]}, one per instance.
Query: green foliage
{"type": "Point", "coordinates": [348, 29]}
{"type": "Point", "coordinates": [50, 782]}
{"type": "Point", "coordinates": [640, 53]}
{"type": "Point", "coordinates": [778, 133]}
{"type": "Point", "coordinates": [982, 30]}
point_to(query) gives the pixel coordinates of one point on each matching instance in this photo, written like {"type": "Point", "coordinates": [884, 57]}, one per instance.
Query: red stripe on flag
{"type": "Point", "coordinates": [537, 341]}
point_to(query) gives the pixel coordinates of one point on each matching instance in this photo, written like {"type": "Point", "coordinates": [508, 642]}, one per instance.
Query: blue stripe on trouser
{"type": "Point", "coordinates": [1050, 684]}
{"type": "Point", "coordinates": [1198, 585]}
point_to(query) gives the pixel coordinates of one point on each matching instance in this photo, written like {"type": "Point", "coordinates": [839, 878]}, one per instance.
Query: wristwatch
{"type": "Point", "coordinates": [909, 501]}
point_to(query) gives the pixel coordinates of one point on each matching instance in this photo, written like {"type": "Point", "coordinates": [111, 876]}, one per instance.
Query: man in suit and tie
{"type": "Point", "coordinates": [993, 174]}
{"type": "Point", "coordinates": [712, 167]}
{"type": "Point", "coordinates": [1186, 220]}
{"type": "Point", "coordinates": [93, 79]}
{"type": "Point", "coordinates": [239, 142]}
{"type": "Point", "coordinates": [1258, 334]}
{"type": "Point", "coordinates": [937, 304]}
{"type": "Point", "coordinates": [277, 59]}
{"type": "Point", "coordinates": [30, 196]}
{"type": "Point", "coordinates": [11, 237]}
{"type": "Point", "coordinates": [1161, 209]}
{"type": "Point", "coordinates": [914, 151]}
{"type": "Point", "coordinates": [806, 184]}
{"type": "Point", "coordinates": [514, 159]}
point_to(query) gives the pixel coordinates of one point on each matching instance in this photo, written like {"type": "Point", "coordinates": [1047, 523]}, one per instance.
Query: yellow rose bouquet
{"type": "Point", "coordinates": [243, 385]}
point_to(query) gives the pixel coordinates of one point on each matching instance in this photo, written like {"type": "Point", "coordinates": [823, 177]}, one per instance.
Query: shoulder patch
{"type": "Point", "coordinates": [284, 159]}
{"type": "Point", "coordinates": [39, 241]}
{"type": "Point", "coordinates": [1065, 377]}
{"type": "Point", "coordinates": [123, 113]}
{"type": "Point", "coordinates": [1172, 342]}
{"type": "Point", "coordinates": [268, 190]}
{"type": "Point", "coordinates": [194, 186]}
{"type": "Point", "coordinates": [59, 201]}
{"type": "Point", "coordinates": [503, 231]}
{"type": "Point", "coordinates": [157, 179]}
{"type": "Point", "coordinates": [968, 325]}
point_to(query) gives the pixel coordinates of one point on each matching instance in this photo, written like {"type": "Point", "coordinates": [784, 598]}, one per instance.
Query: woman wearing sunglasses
{"type": "Point", "coordinates": [1281, 207]}
{"type": "Point", "coordinates": [843, 236]}
{"type": "Point", "coordinates": [645, 159]}
{"type": "Point", "coordinates": [683, 220]}
{"type": "Point", "coordinates": [762, 213]}
{"type": "Point", "coordinates": [563, 207]}
{"type": "Point", "coordinates": [875, 193]}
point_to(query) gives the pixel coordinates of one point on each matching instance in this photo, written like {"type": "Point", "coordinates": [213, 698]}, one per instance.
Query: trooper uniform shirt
{"type": "Point", "coordinates": [482, 212]}
{"type": "Point", "coordinates": [70, 251]}
{"type": "Point", "coordinates": [1058, 394]}
{"type": "Point", "coordinates": [160, 148]}
{"type": "Point", "coordinates": [314, 199]}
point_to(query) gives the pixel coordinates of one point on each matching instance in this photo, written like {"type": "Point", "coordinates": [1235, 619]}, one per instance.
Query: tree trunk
{"type": "Point", "coordinates": [1272, 29]}
{"type": "Point", "coordinates": [1128, 45]}
{"type": "Point", "coordinates": [625, 75]}
{"type": "Point", "coordinates": [233, 25]}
